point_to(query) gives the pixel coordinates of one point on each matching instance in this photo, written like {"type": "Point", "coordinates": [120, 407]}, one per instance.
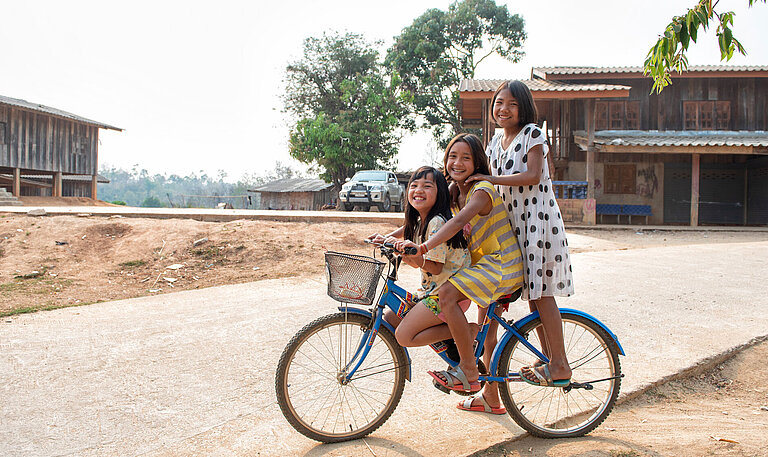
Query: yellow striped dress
{"type": "Point", "coordinates": [497, 263]}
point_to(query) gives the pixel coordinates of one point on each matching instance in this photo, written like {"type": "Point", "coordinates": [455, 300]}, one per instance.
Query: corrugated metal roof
{"type": "Point", "coordinates": [535, 85]}
{"type": "Point", "coordinates": [86, 178]}
{"type": "Point", "coordinates": [757, 138]}
{"type": "Point", "coordinates": [53, 111]}
{"type": "Point", "coordinates": [542, 71]}
{"type": "Point", "coordinates": [293, 185]}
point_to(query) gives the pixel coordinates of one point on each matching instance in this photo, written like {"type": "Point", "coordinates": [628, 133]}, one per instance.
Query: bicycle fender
{"type": "Point", "coordinates": [366, 313]}
{"type": "Point", "coordinates": [535, 314]}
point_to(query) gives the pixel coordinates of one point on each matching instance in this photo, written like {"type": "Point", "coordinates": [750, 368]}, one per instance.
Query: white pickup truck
{"type": "Point", "coordinates": [372, 188]}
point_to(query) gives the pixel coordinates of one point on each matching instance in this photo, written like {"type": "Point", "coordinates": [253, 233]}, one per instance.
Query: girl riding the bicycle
{"type": "Point", "coordinates": [428, 208]}
{"type": "Point", "coordinates": [497, 267]}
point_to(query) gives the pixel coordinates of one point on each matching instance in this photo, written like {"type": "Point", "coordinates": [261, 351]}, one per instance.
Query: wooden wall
{"type": "Point", "coordinates": [39, 142]}
{"type": "Point", "coordinates": [748, 98]}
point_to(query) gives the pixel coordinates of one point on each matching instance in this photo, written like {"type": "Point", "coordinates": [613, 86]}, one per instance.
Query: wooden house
{"type": "Point", "coordinates": [39, 140]}
{"type": "Point", "coordinates": [294, 193]}
{"type": "Point", "coordinates": [695, 154]}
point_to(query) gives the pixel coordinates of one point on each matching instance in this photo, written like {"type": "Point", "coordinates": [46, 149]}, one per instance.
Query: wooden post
{"type": "Point", "coordinates": [487, 120]}
{"type": "Point", "coordinates": [589, 111]}
{"type": "Point", "coordinates": [56, 184]}
{"type": "Point", "coordinates": [16, 182]}
{"type": "Point", "coordinates": [746, 195]}
{"type": "Point", "coordinates": [94, 184]}
{"type": "Point", "coordinates": [695, 173]}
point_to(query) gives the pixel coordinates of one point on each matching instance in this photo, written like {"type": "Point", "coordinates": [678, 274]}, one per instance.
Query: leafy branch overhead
{"type": "Point", "coordinates": [668, 54]}
{"type": "Point", "coordinates": [441, 48]}
{"type": "Point", "coordinates": [349, 111]}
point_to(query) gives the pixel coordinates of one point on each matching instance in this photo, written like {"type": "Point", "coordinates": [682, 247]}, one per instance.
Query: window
{"type": "Point", "coordinates": [617, 115]}
{"type": "Point", "coordinates": [706, 115]}
{"type": "Point", "coordinates": [620, 179]}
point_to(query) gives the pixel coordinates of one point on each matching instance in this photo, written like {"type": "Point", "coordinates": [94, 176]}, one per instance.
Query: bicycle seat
{"type": "Point", "coordinates": [509, 298]}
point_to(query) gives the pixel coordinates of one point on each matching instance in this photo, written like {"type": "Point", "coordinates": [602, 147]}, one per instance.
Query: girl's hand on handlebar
{"type": "Point", "coordinates": [376, 238]}
{"type": "Point", "coordinates": [401, 245]}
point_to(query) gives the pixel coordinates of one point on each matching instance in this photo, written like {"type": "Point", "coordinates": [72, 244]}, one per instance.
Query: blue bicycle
{"type": "Point", "coordinates": [342, 375]}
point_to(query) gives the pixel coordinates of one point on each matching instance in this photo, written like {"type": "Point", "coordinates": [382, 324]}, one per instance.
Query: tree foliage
{"type": "Point", "coordinates": [441, 48]}
{"type": "Point", "coordinates": [136, 187]}
{"type": "Point", "coordinates": [668, 54]}
{"type": "Point", "coordinates": [350, 112]}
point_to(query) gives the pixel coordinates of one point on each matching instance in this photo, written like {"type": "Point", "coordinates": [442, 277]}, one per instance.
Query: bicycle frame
{"type": "Point", "coordinates": [400, 301]}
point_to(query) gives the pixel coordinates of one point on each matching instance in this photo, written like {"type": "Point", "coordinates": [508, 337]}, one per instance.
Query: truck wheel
{"type": "Point", "coordinates": [386, 205]}
{"type": "Point", "coordinates": [346, 206]}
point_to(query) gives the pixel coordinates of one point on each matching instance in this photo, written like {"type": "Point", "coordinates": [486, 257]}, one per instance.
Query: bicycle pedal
{"type": "Point", "coordinates": [441, 387]}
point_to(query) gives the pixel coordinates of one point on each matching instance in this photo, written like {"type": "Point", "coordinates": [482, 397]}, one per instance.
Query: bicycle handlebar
{"type": "Point", "coordinates": [408, 251]}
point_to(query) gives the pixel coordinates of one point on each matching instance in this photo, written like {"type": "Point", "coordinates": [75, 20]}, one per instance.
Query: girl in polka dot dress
{"type": "Point", "coordinates": [518, 164]}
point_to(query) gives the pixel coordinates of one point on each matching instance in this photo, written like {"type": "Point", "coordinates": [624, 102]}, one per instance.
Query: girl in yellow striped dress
{"type": "Point", "coordinates": [497, 266]}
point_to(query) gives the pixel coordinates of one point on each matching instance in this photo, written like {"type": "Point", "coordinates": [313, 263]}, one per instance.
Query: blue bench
{"type": "Point", "coordinates": [623, 210]}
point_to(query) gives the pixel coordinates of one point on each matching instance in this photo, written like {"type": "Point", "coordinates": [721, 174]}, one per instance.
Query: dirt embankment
{"type": "Point", "coordinates": [55, 261]}
{"type": "Point", "coordinates": [66, 260]}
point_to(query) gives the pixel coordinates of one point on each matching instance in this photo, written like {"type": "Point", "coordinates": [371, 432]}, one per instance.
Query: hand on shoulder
{"type": "Point", "coordinates": [479, 177]}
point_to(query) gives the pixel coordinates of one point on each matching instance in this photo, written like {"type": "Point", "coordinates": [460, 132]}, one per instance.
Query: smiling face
{"type": "Point", "coordinates": [506, 110]}
{"type": "Point", "coordinates": [459, 162]}
{"type": "Point", "coordinates": [422, 193]}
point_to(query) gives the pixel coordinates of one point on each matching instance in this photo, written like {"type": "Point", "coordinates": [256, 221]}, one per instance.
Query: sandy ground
{"type": "Point", "coordinates": [69, 260]}
{"type": "Point", "coordinates": [723, 412]}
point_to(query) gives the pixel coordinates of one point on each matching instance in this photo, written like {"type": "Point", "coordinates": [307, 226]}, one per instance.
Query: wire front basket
{"type": "Point", "coordinates": [352, 278]}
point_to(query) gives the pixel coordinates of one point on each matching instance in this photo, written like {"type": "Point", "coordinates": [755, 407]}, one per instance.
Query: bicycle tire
{"type": "Point", "coordinates": [309, 392]}
{"type": "Point", "coordinates": [592, 354]}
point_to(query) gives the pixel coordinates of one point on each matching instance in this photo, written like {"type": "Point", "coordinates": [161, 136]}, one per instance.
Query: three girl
{"type": "Point", "coordinates": [518, 169]}
{"type": "Point", "coordinates": [496, 269]}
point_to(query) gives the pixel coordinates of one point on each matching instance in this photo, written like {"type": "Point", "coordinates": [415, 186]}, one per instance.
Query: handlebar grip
{"type": "Point", "coordinates": [411, 251]}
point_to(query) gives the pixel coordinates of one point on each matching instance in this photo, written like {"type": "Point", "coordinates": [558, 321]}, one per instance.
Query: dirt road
{"type": "Point", "coordinates": [191, 373]}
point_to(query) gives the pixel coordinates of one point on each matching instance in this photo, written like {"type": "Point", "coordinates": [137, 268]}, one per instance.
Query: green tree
{"type": "Point", "coordinates": [350, 112]}
{"type": "Point", "coordinates": [152, 202]}
{"type": "Point", "coordinates": [668, 54]}
{"type": "Point", "coordinates": [440, 48]}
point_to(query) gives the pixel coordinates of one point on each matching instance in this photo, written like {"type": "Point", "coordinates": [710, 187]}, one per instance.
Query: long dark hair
{"type": "Point", "coordinates": [442, 207]}
{"type": "Point", "coordinates": [479, 159]}
{"type": "Point", "coordinates": [526, 107]}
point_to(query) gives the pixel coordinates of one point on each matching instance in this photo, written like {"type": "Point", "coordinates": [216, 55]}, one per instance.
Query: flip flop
{"type": "Point", "coordinates": [535, 364]}
{"type": "Point", "coordinates": [545, 379]}
{"type": "Point", "coordinates": [483, 407]}
{"type": "Point", "coordinates": [463, 384]}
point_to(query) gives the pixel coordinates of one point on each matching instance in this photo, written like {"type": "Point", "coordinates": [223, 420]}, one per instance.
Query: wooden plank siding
{"type": "Point", "coordinates": [748, 99]}
{"type": "Point", "coordinates": [35, 141]}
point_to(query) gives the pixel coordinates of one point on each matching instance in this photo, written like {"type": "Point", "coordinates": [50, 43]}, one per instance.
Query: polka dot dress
{"type": "Point", "coordinates": [535, 215]}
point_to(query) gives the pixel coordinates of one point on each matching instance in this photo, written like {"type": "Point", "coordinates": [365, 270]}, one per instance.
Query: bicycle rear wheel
{"type": "Point", "coordinates": [308, 383]}
{"type": "Point", "coordinates": [550, 412]}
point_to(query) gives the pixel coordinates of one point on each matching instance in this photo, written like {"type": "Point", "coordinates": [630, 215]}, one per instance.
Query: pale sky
{"type": "Point", "coordinates": [196, 85]}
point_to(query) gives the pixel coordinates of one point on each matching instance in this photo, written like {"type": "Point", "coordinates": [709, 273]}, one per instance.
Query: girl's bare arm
{"type": "Point", "coordinates": [529, 177]}
{"type": "Point", "coordinates": [378, 238]}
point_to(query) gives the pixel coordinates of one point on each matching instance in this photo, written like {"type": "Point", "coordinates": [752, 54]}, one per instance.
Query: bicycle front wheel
{"type": "Point", "coordinates": [550, 412]}
{"type": "Point", "coordinates": [310, 383]}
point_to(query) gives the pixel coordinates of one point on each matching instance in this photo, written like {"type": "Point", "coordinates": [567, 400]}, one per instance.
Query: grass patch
{"type": "Point", "coordinates": [133, 263]}
{"type": "Point", "coordinates": [29, 310]}
{"type": "Point", "coordinates": [12, 286]}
